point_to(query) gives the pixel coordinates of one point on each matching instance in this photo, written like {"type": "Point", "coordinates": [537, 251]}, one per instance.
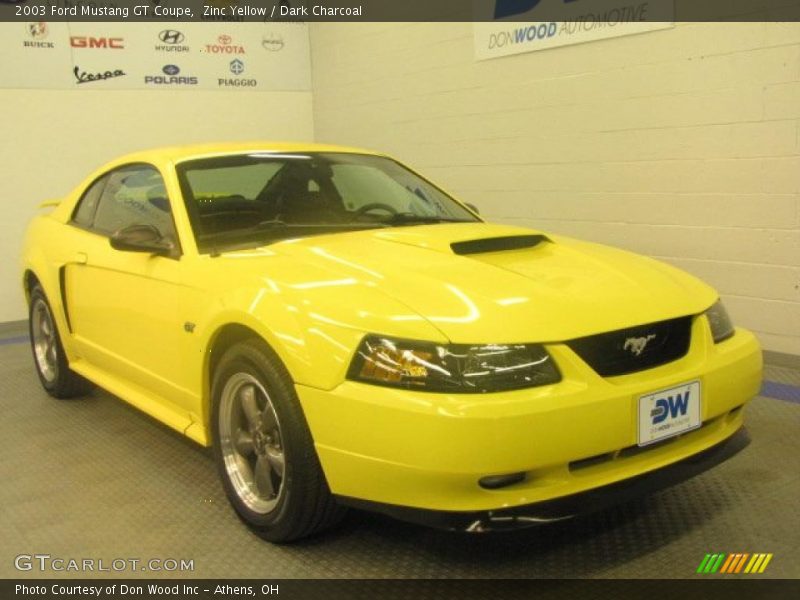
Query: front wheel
{"type": "Point", "coordinates": [263, 447]}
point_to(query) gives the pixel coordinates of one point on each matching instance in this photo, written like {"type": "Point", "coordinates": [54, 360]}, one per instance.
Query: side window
{"type": "Point", "coordinates": [87, 205]}
{"type": "Point", "coordinates": [134, 195]}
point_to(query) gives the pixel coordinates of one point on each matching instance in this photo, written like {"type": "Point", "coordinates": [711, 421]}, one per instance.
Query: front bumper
{"type": "Point", "coordinates": [560, 509]}
{"type": "Point", "coordinates": [428, 451]}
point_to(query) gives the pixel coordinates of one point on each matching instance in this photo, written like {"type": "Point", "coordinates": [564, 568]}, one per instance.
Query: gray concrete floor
{"type": "Point", "coordinates": [95, 478]}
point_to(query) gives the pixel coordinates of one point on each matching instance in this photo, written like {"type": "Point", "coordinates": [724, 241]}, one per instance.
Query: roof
{"type": "Point", "coordinates": [182, 153]}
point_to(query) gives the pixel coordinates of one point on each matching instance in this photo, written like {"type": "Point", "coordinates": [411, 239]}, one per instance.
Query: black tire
{"type": "Point", "coordinates": [292, 500]}
{"type": "Point", "coordinates": [54, 373]}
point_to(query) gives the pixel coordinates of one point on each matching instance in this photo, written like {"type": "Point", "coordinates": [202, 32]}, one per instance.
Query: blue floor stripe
{"type": "Point", "coordinates": [23, 339]}
{"type": "Point", "coordinates": [769, 389]}
{"type": "Point", "coordinates": [780, 391]}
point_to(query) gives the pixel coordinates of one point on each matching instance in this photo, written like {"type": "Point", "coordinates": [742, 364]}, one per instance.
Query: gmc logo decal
{"type": "Point", "coordinates": [80, 41]}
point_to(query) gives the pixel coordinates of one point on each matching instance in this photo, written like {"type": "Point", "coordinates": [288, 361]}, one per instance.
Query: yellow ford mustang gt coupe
{"type": "Point", "coordinates": [345, 333]}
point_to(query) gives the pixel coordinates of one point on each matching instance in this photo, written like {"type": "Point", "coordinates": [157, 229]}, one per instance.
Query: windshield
{"type": "Point", "coordinates": [253, 199]}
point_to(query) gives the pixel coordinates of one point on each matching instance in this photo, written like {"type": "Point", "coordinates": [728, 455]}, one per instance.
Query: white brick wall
{"type": "Point", "coordinates": [683, 144]}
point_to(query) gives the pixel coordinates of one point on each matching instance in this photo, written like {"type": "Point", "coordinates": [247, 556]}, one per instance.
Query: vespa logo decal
{"type": "Point", "coordinates": [636, 345]}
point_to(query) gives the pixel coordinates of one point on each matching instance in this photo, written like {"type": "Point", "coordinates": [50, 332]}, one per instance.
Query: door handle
{"type": "Point", "coordinates": [81, 258]}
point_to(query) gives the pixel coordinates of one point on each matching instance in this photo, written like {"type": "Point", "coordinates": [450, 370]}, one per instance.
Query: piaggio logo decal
{"type": "Point", "coordinates": [237, 67]}
{"type": "Point", "coordinates": [734, 564]}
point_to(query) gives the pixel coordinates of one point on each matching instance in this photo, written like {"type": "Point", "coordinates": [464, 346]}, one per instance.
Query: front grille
{"type": "Point", "coordinates": [636, 348]}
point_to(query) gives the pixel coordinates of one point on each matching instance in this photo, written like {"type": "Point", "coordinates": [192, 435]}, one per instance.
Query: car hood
{"type": "Point", "coordinates": [482, 283]}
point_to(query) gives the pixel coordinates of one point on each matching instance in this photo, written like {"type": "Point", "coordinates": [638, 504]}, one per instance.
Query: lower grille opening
{"type": "Point", "coordinates": [585, 463]}
{"type": "Point", "coordinates": [630, 451]}
{"type": "Point", "coordinates": [636, 450]}
{"type": "Point", "coordinates": [735, 411]}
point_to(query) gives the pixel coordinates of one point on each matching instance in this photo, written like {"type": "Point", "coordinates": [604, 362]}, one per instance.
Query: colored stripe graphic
{"type": "Point", "coordinates": [718, 563]}
{"type": "Point", "coordinates": [754, 562]}
{"type": "Point", "coordinates": [733, 564]}
{"type": "Point", "coordinates": [703, 563]}
{"type": "Point", "coordinates": [711, 562]}
{"type": "Point", "coordinates": [764, 564]}
{"type": "Point", "coordinates": [727, 564]}
{"type": "Point", "coordinates": [715, 563]}
{"type": "Point", "coordinates": [741, 562]}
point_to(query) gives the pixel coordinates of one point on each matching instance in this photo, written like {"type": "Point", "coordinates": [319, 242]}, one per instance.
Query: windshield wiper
{"type": "Point", "coordinates": [277, 225]}
{"type": "Point", "coordinates": [412, 219]}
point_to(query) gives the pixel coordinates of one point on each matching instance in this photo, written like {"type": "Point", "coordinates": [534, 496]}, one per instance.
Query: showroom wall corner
{"type": "Point", "coordinates": [53, 138]}
{"type": "Point", "coordinates": [681, 143]}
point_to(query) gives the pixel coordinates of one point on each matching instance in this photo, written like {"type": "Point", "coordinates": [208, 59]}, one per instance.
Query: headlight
{"type": "Point", "coordinates": [720, 322]}
{"type": "Point", "coordinates": [455, 368]}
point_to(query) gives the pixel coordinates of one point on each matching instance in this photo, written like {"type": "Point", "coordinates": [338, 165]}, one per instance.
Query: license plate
{"type": "Point", "coordinates": [669, 412]}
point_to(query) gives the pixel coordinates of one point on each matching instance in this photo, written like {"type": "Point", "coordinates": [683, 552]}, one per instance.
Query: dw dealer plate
{"type": "Point", "coordinates": [669, 412]}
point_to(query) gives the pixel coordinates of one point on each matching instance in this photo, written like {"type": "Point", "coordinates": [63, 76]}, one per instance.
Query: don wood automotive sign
{"type": "Point", "coordinates": [516, 26]}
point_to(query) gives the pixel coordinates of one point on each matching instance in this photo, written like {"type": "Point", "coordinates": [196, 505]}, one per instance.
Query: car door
{"type": "Point", "coordinates": [123, 306]}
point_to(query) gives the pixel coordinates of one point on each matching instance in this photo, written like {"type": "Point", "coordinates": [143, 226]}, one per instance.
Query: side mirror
{"type": "Point", "coordinates": [472, 207]}
{"type": "Point", "coordinates": [142, 238]}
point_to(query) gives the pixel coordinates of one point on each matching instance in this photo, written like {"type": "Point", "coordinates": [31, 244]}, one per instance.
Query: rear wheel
{"type": "Point", "coordinates": [48, 353]}
{"type": "Point", "coordinates": [264, 450]}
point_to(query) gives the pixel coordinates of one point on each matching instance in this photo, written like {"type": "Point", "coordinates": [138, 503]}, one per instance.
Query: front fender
{"type": "Point", "coordinates": [46, 269]}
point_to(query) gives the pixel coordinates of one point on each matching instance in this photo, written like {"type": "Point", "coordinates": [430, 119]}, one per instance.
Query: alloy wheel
{"type": "Point", "coordinates": [45, 343]}
{"type": "Point", "coordinates": [251, 443]}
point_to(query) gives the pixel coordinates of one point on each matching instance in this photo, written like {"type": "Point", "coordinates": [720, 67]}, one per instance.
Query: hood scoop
{"type": "Point", "coordinates": [498, 244]}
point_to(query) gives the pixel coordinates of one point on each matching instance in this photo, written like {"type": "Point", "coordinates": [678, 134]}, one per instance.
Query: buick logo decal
{"type": "Point", "coordinates": [636, 345]}
{"type": "Point", "coordinates": [37, 31]}
{"type": "Point", "coordinates": [170, 36]}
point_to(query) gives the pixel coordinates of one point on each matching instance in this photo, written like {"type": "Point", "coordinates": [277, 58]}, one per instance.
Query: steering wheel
{"type": "Point", "coordinates": [375, 206]}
